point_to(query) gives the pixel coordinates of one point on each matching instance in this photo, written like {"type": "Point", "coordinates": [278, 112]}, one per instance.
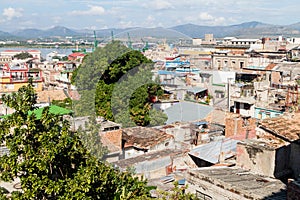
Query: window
{"type": "Point", "coordinates": [219, 64]}
{"type": "Point", "coordinates": [247, 106]}
{"type": "Point", "coordinates": [232, 64]}
{"type": "Point", "coordinates": [241, 65]}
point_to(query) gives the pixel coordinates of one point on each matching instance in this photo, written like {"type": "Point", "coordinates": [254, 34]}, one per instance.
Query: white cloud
{"type": "Point", "coordinates": [10, 13]}
{"type": "Point", "coordinates": [28, 23]}
{"type": "Point", "coordinates": [205, 16]}
{"type": "Point", "coordinates": [219, 21]}
{"type": "Point", "coordinates": [159, 5]}
{"type": "Point", "coordinates": [94, 10]}
{"type": "Point", "coordinates": [149, 21]}
{"type": "Point", "coordinates": [211, 20]}
{"type": "Point", "coordinates": [56, 19]}
{"type": "Point", "coordinates": [125, 24]}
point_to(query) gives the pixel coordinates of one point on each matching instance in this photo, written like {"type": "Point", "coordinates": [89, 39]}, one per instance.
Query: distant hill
{"type": "Point", "coordinates": [6, 36]}
{"type": "Point", "coordinates": [60, 31]}
{"type": "Point", "coordinates": [252, 29]}
{"type": "Point", "coordinates": [196, 31]}
{"type": "Point", "coordinates": [28, 33]}
{"type": "Point", "coordinates": [37, 33]}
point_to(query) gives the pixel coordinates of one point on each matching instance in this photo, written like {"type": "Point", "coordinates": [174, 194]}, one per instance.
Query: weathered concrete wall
{"type": "Point", "coordinates": [258, 160]}
{"type": "Point", "coordinates": [295, 159]}
{"type": "Point", "coordinates": [263, 160]}
{"type": "Point", "coordinates": [204, 190]}
{"type": "Point", "coordinates": [180, 134]}
{"type": "Point", "coordinates": [167, 144]}
{"type": "Point", "coordinates": [131, 152]}
{"type": "Point", "coordinates": [153, 168]}
{"type": "Point", "coordinates": [183, 162]}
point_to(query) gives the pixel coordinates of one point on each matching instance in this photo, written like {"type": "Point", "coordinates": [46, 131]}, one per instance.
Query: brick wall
{"type": "Point", "coordinates": [236, 128]}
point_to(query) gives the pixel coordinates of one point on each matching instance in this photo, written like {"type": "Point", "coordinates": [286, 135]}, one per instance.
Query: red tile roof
{"type": "Point", "coordinates": [77, 54]}
{"type": "Point", "coordinates": [112, 140]}
{"type": "Point", "coordinates": [285, 127]}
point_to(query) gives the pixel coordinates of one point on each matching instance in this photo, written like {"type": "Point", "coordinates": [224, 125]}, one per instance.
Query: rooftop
{"type": "Point", "coordinates": [112, 140]}
{"type": "Point", "coordinates": [147, 156]}
{"type": "Point", "coordinates": [107, 125]}
{"type": "Point", "coordinates": [187, 112]}
{"type": "Point", "coordinates": [196, 90]}
{"type": "Point", "coordinates": [288, 128]}
{"type": "Point", "coordinates": [217, 116]}
{"type": "Point", "coordinates": [53, 109]}
{"type": "Point", "coordinates": [144, 137]}
{"type": "Point", "coordinates": [267, 140]}
{"type": "Point", "coordinates": [50, 95]}
{"type": "Point", "coordinates": [267, 144]}
{"type": "Point", "coordinates": [241, 182]}
{"type": "Point", "coordinates": [212, 151]}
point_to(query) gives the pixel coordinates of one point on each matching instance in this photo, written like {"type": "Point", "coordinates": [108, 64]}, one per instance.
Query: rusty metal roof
{"type": "Point", "coordinates": [144, 137]}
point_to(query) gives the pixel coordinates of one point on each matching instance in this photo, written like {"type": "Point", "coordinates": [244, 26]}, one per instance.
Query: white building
{"type": "Point", "coordinates": [35, 53]}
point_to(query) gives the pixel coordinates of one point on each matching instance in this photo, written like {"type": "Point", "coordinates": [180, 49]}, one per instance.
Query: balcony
{"type": "Point", "coordinates": [19, 79]}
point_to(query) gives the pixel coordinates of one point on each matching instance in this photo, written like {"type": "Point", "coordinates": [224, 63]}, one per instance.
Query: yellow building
{"type": "Point", "coordinates": [14, 77]}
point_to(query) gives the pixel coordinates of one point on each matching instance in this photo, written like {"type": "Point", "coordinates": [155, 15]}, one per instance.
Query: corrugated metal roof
{"type": "Point", "coordinates": [185, 111]}
{"type": "Point", "coordinates": [211, 152]}
{"type": "Point", "coordinates": [196, 90]}
{"type": "Point", "coordinates": [53, 109]}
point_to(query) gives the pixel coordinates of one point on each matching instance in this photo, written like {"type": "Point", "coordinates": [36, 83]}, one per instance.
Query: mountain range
{"type": "Point", "coordinates": [243, 30]}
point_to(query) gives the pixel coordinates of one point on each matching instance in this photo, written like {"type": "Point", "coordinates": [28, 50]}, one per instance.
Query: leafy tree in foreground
{"type": "Point", "coordinates": [116, 67]}
{"type": "Point", "coordinates": [89, 135]}
{"type": "Point", "coordinates": [177, 193]}
{"type": "Point", "coordinates": [51, 161]}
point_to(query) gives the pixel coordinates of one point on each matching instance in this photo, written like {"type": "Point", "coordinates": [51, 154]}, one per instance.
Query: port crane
{"type": "Point", "coordinates": [129, 42]}
{"type": "Point", "coordinates": [146, 47]}
{"type": "Point", "coordinates": [95, 41]}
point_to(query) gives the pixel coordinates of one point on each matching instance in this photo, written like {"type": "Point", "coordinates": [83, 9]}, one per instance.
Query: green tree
{"type": "Point", "coordinates": [117, 68]}
{"type": "Point", "coordinates": [23, 55]}
{"type": "Point", "coordinates": [66, 103]}
{"type": "Point", "coordinates": [51, 161]}
{"type": "Point", "coordinates": [177, 193]}
{"type": "Point", "coordinates": [89, 135]}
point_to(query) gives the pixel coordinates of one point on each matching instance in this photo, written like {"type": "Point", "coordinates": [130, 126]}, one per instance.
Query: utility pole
{"type": "Point", "coordinates": [228, 93]}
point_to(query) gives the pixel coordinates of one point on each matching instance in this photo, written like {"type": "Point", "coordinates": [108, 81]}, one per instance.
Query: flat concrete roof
{"type": "Point", "coordinates": [241, 182]}
{"type": "Point", "coordinates": [124, 163]}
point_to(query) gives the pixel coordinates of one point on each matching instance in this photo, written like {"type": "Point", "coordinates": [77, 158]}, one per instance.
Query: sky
{"type": "Point", "coordinates": [102, 14]}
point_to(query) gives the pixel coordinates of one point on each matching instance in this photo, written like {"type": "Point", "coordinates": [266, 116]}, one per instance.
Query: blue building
{"type": "Point", "coordinates": [263, 113]}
